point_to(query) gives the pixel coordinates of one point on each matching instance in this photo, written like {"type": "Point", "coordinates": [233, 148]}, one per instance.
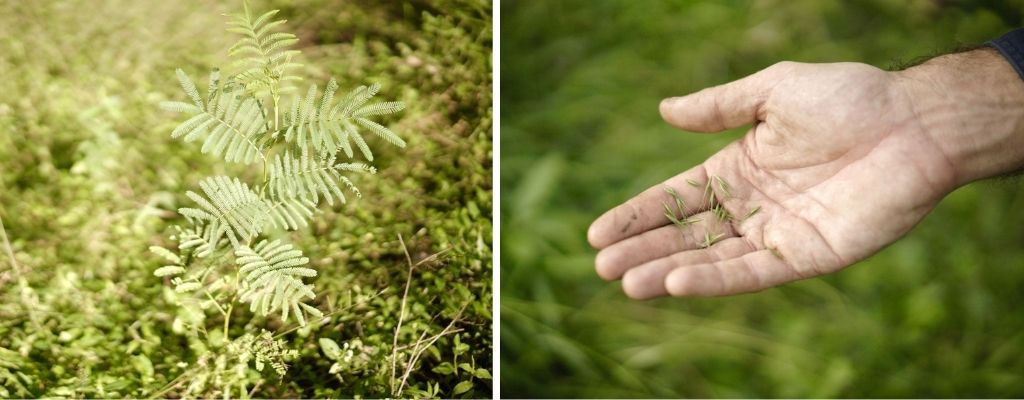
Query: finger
{"type": "Point", "coordinates": [646, 211]}
{"type": "Point", "coordinates": [725, 106]}
{"type": "Point", "coordinates": [615, 260]}
{"type": "Point", "coordinates": [750, 272]}
{"type": "Point", "coordinates": [648, 280]}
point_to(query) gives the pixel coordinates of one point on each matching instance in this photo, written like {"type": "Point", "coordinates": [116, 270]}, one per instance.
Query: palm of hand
{"type": "Point", "coordinates": [836, 167]}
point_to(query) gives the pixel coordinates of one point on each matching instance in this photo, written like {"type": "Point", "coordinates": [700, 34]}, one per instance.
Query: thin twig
{"type": "Point", "coordinates": [255, 388]}
{"type": "Point", "coordinates": [401, 315]}
{"type": "Point", "coordinates": [172, 384]}
{"type": "Point", "coordinates": [10, 251]}
{"type": "Point", "coordinates": [418, 350]}
{"type": "Point", "coordinates": [417, 343]}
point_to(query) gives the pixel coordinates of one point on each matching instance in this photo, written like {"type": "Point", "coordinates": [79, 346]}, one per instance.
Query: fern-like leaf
{"type": "Point", "coordinates": [315, 123]}
{"type": "Point", "coordinates": [230, 208]}
{"type": "Point", "coordinates": [239, 211]}
{"type": "Point", "coordinates": [166, 254]}
{"type": "Point", "coordinates": [290, 213]}
{"type": "Point", "coordinates": [202, 238]}
{"type": "Point", "coordinates": [309, 177]}
{"type": "Point", "coordinates": [181, 286]}
{"type": "Point", "coordinates": [263, 58]}
{"type": "Point", "coordinates": [169, 270]}
{"type": "Point", "coordinates": [273, 274]}
{"type": "Point", "coordinates": [229, 125]}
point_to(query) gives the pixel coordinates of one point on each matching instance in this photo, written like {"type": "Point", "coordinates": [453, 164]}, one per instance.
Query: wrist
{"type": "Point", "coordinates": [971, 105]}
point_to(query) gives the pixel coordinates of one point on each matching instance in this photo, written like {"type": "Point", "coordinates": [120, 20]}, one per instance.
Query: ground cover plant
{"type": "Point", "coordinates": [93, 175]}
{"type": "Point", "coordinates": [933, 315]}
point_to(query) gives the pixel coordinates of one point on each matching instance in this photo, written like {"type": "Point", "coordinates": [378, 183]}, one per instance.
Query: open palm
{"type": "Point", "coordinates": [835, 167]}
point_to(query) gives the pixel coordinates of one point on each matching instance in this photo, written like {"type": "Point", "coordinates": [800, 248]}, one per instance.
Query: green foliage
{"type": "Point", "coordinates": [234, 126]}
{"type": "Point", "coordinates": [231, 208]}
{"type": "Point", "coordinates": [273, 280]}
{"type": "Point", "coordinates": [325, 127]}
{"type": "Point", "coordinates": [305, 177]}
{"type": "Point", "coordinates": [933, 315]}
{"type": "Point", "coordinates": [90, 178]}
{"type": "Point", "coordinates": [262, 60]}
{"type": "Point", "coordinates": [230, 125]}
{"type": "Point", "coordinates": [228, 373]}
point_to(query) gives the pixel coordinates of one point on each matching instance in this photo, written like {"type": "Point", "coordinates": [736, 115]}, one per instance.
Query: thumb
{"type": "Point", "coordinates": [725, 106]}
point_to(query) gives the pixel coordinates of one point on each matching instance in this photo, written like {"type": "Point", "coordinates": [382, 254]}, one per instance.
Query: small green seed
{"type": "Point", "coordinates": [670, 214]}
{"type": "Point", "coordinates": [710, 240]}
{"type": "Point", "coordinates": [752, 212]}
{"type": "Point", "coordinates": [723, 185]}
{"type": "Point", "coordinates": [721, 212]}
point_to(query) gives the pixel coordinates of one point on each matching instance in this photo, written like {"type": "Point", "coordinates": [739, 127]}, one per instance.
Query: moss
{"type": "Point", "coordinates": [84, 317]}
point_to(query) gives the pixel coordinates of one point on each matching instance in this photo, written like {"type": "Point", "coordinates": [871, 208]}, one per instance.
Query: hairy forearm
{"type": "Point", "coordinates": [971, 104]}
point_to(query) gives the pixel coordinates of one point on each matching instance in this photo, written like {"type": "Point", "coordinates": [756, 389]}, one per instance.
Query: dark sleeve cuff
{"type": "Point", "coordinates": [1011, 45]}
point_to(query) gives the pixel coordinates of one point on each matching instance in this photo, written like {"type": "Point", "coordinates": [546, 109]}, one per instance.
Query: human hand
{"type": "Point", "coordinates": [842, 160]}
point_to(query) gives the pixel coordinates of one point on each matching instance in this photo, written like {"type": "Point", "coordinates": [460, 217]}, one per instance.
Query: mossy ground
{"type": "Point", "coordinates": [89, 178]}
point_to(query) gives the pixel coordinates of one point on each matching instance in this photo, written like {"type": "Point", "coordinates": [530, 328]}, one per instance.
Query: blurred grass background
{"type": "Point", "coordinates": [937, 314]}
{"type": "Point", "coordinates": [90, 177]}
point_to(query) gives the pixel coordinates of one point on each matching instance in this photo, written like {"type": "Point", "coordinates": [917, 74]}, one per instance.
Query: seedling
{"type": "Point", "coordinates": [306, 157]}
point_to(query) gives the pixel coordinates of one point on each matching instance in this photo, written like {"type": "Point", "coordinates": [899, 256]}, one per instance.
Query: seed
{"type": "Point", "coordinates": [710, 240]}
{"type": "Point", "coordinates": [669, 214]}
{"type": "Point", "coordinates": [693, 183]}
{"type": "Point", "coordinates": [709, 195]}
{"type": "Point", "coordinates": [752, 212]}
{"type": "Point", "coordinates": [723, 185]}
{"type": "Point", "coordinates": [680, 206]}
{"type": "Point", "coordinates": [720, 212]}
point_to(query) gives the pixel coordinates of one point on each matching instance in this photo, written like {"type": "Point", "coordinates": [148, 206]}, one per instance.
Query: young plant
{"type": "Point", "coordinates": [304, 150]}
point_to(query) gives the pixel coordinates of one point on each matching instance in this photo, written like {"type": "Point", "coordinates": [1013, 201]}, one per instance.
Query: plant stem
{"type": "Point", "coordinates": [401, 316]}
{"type": "Point", "coordinates": [277, 100]}
{"type": "Point", "coordinates": [10, 251]}
{"type": "Point", "coordinates": [276, 113]}
{"type": "Point", "coordinates": [227, 320]}
{"type": "Point", "coordinates": [265, 171]}
{"type": "Point", "coordinates": [231, 305]}
{"type": "Point", "coordinates": [215, 302]}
